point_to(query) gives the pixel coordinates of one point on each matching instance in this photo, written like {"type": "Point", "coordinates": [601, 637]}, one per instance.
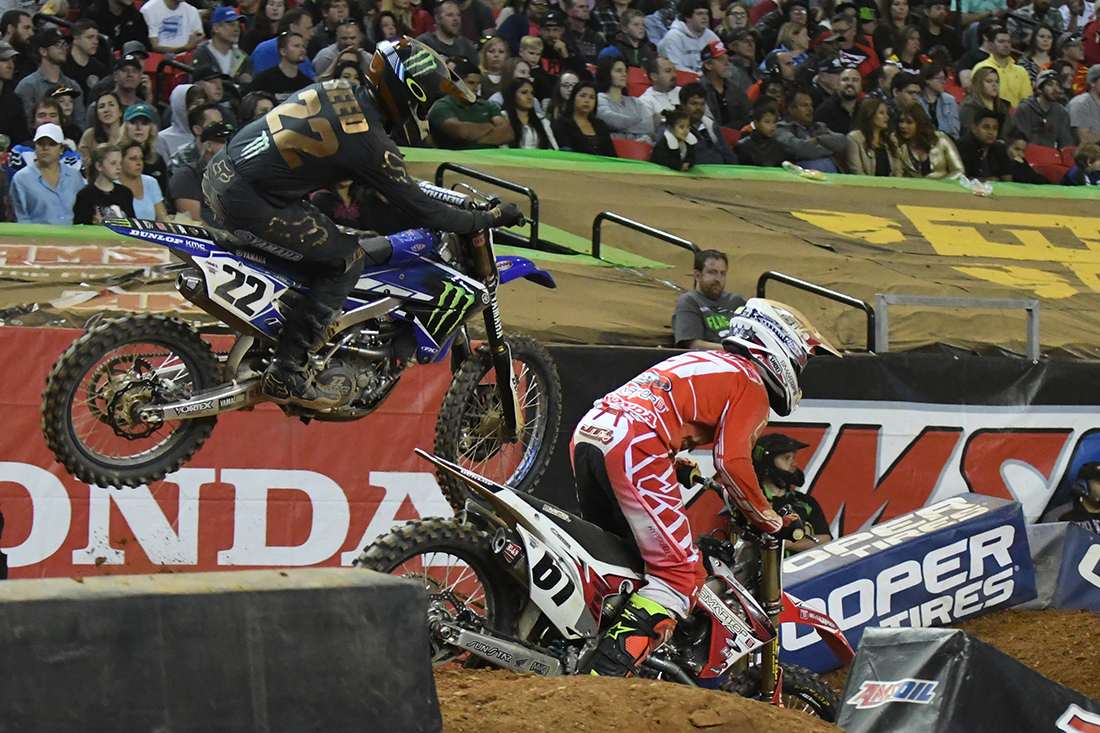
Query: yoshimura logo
{"type": "Point", "coordinates": [454, 300]}
{"type": "Point", "coordinates": [873, 693]}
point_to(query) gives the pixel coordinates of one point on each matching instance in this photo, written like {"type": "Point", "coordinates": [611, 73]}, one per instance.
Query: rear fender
{"type": "Point", "coordinates": [796, 612]}
{"type": "Point", "coordinates": [511, 267]}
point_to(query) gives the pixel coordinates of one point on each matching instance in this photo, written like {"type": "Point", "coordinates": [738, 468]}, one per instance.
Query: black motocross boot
{"type": "Point", "coordinates": [642, 626]}
{"type": "Point", "coordinates": [288, 379]}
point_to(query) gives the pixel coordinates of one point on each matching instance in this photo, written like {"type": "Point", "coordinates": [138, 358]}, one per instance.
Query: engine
{"type": "Point", "coordinates": [362, 365]}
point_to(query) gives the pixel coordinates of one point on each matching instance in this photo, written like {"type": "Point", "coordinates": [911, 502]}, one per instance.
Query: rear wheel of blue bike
{"type": "Point", "coordinates": [469, 429]}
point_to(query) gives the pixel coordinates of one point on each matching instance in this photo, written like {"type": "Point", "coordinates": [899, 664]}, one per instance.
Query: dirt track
{"type": "Point", "coordinates": [1063, 645]}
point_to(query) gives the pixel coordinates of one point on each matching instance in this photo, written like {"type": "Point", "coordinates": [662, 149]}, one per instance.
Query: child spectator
{"type": "Point", "coordinates": [759, 147]}
{"type": "Point", "coordinates": [578, 129]}
{"type": "Point", "coordinates": [1022, 172]}
{"type": "Point", "coordinates": [44, 193]}
{"type": "Point", "coordinates": [103, 197]}
{"type": "Point", "coordinates": [1086, 169]}
{"type": "Point", "coordinates": [632, 42]}
{"type": "Point", "coordinates": [64, 97]}
{"type": "Point", "coordinates": [675, 147]}
{"type": "Point", "coordinates": [530, 130]}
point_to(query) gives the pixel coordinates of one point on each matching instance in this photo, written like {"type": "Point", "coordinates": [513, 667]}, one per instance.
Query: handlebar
{"type": "Point", "coordinates": [746, 527]}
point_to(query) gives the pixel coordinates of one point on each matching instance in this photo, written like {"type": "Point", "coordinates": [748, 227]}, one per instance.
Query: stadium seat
{"type": "Point", "coordinates": [732, 136]}
{"type": "Point", "coordinates": [952, 87]}
{"type": "Point", "coordinates": [759, 10]}
{"type": "Point", "coordinates": [1040, 155]}
{"type": "Point", "coordinates": [1067, 156]}
{"type": "Point", "coordinates": [637, 81]}
{"type": "Point", "coordinates": [685, 77]}
{"type": "Point", "coordinates": [632, 149]}
{"type": "Point", "coordinates": [1053, 171]}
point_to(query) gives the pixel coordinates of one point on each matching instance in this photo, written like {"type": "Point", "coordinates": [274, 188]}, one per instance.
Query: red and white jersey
{"type": "Point", "coordinates": [700, 397]}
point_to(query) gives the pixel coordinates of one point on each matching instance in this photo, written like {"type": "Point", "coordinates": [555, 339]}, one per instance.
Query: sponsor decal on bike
{"type": "Point", "coordinates": [873, 693]}
{"type": "Point", "coordinates": [549, 509]}
{"type": "Point", "coordinates": [489, 651]}
{"type": "Point", "coordinates": [197, 407]}
{"type": "Point", "coordinates": [227, 402]}
{"type": "Point", "coordinates": [540, 668]}
{"type": "Point", "coordinates": [1078, 720]}
{"type": "Point", "coordinates": [455, 300]}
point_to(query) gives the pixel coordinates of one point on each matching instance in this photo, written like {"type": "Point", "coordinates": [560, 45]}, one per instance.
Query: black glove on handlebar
{"type": "Point", "coordinates": [507, 215]}
{"type": "Point", "coordinates": [793, 529]}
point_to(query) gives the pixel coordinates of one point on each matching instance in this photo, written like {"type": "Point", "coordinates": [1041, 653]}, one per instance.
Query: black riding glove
{"type": "Point", "coordinates": [793, 529]}
{"type": "Point", "coordinates": [507, 215]}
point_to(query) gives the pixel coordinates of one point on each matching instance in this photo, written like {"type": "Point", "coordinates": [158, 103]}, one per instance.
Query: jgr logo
{"type": "Point", "coordinates": [954, 574]}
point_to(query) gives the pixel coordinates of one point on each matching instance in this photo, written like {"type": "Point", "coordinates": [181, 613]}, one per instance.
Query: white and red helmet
{"type": "Point", "coordinates": [779, 340]}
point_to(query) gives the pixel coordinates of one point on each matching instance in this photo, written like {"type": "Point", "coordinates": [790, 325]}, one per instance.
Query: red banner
{"type": "Point", "coordinates": [266, 490]}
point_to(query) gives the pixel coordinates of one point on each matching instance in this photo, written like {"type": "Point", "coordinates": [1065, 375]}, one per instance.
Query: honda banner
{"type": "Point", "coordinates": [946, 681]}
{"type": "Point", "coordinates": [957, 558]}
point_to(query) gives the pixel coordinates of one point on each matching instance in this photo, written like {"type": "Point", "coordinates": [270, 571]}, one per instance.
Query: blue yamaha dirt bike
{"type": "Point", "coordinates": [135, 397]}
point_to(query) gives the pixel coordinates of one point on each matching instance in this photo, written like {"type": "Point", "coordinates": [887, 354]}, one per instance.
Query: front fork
{"type": "Point", "coordinates": [771, 599]}
{"type": "Point", "coordinates": [486, 266]}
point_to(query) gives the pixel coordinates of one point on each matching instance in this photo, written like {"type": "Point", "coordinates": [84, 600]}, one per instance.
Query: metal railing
{"type": "Point", "coordinates": [761, 288]}
{"type": "Point", "coordinates": [882, 302]}
{"type": "Point", "coordinates": [158, 76]}
{"type": "Point", "coordinates": [499, 183]}
{"type": "Point", "coordinates": [597, 232]}
{"type": "Point", "coordinates": [60, 22]}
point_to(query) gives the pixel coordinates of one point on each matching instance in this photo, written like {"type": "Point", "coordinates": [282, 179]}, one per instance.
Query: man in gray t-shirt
{"type": "Point", "coordinates": [702, 316]}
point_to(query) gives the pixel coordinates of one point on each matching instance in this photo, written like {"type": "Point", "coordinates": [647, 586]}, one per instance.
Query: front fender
{"type": "Point", "coordinates": [796, 612]}
{"type": "Point", "coordinates": [511, 268]}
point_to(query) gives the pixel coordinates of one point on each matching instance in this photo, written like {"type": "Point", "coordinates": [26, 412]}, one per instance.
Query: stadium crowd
{"type": "Point", "coordinates": [978, 88]}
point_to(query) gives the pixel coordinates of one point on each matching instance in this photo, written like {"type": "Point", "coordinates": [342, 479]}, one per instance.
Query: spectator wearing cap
{"type": "Point", "coordinates": [285, 78]}
{"type": "Point", "coordinates": [52, 48]}
{"type": "Point", "coordinates": [82, 65]}
{"type": "Point", "coordinates": [852, 48]}
{"type": "Point", "coordinates": [1015, 83]}
{"type": "Point", "coordinates": [984, 156]}
{"type": "Point", "coordinates": [808, 143]}
{"type": "Point", "coordinates": [465, 125]}
{"type": "Point", "coordinates": [266, 54]}
{"type": "Point", "coordinates": [744, 71]}
{"type": "Point", "coordinates": [1039, 12]}
{"type": "Point", "coordinates": [688, 36]}
{"type": "Point", "coordinates": [64, 97]}
{"type": "Point", "coordinates": [120, 21]}
{"type": "Point", "coordinates": [221, 51]}
{"type": "Point", "coordinates": [663, 94]}
{"type": "Point", "coordinates": [934, 30]}
{"type": "Point", "coordinates": [625, 116]}
{"type": "Point", "coordinates": [578, 34]}
{"type": "Point", "coordinates": [103, 197]}
{"type": "Point", "coordinates": [348, 37]}
{"type": "Point", "coordinates": [139, 128]}
{"type": "Point", "coordinates": [107, 127]}
{"type": "Point", "coordinates": [127, 81]}
{"type": "Point", "coordinates": [175, 26]}
{"type": "Point", "coordinates": [1042, 117]}
{"type": "Point", "coordinates": [44, 193]}
{"type": "Point", "coordinates": [13, 118]}
{"type": "Point", "coordinates": [199, 118]}
{"type": "Point", "coordinates": [185, 187]}
{"type": "Point", "coordinates": [333, 13]}
{"type": "Point", "coordinates": [22, 155]}
{"type": "Point", "coordinates": [17, 29]}
{"type": "Point", "coordinates": [557, 55]}
{"type": "Point", "coordinates": [827, 80]}
{"type": "Point", "coordinates": [941, 108]}
{"type": "Point", "coordinates": [212, 81]}
{"type": "Point", "coordinates": [1071, 49]}
{"type": "Point", "coordinates": [447, 38]}
{"type": "Point", "coordinates": [632, 42]}
{"type": "Point", "coordinates": [579, 129]}
{"type": "Point", "coordinates": [711, 147]}
{"type": "Point", "coordinates": [838, 110]}
{"type": "Point", "coordinates": [1084, 110]}
{"type": "Point", "coordinates": [727, 104]}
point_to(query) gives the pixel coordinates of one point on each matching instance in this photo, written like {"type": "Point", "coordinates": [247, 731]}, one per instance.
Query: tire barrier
{"type": "Point", "coordinates": [320, 649]}
{"type": "Point", "coordinates": [944, 680]}
{"type": "Point", "coordinates": [955, 559]}
{"type": "Point", "coordinates": [1067, 567]}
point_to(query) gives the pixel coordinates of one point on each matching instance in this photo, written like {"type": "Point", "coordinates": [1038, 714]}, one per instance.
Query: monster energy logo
{"type": "Point", "coordinates": [256, 147]}
{"type": "Point", "coordinates": [421, 60]}
{"type": "Point", "coordinates": [455, 299]}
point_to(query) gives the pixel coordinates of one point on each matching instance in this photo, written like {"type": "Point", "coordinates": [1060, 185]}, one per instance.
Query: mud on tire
{"type": "Point", "coordinates": [802, 690]}
{"type": "Point", "coordinates": [89, 359]}
{"type": "Point", "coordinates": [466, 429]}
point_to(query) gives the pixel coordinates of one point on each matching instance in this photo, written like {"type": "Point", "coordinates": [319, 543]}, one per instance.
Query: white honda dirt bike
{"type": "Point", "coordinates": [518, 583]}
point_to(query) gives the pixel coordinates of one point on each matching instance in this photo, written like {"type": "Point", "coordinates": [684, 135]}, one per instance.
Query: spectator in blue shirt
{"type": "Point", "coordinates": [941, 107]}
{"type": "Point", "coordinates": [266, 54]}
{"type": "Point", "coordinates": [44, 193]}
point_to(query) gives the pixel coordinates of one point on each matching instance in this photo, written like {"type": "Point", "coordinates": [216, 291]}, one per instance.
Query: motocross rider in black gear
{"type": "Point", "coordinates": [323, 134]}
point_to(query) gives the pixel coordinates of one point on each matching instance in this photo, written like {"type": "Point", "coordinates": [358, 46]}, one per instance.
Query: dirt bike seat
{"type": "Point", "coordinates": [603, 545]}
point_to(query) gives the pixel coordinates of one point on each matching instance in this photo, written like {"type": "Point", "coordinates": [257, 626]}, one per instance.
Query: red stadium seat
{"type": "Point", "coordinates": [956, 91]}
{"type": "Point", "coordinates": [1039, 155]}
{"type": "Point", "coordinates": [760, 10]}
{"type": "Point", "coordinates": [1067, 156]}
{"type": "Point", "coordinates": [1053, 171]}
{"type": "Point", "coordinates": [633, 149]}
{"type": "Point", "coordinates": [685, 77]}
{"type": "Point", "coordinates": [637, 81]}
{"type": "Point", "coordinates": [732, 136]}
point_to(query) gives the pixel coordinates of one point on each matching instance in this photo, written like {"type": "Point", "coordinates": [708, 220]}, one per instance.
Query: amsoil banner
{"type": "Point", "coordinates": [955, 559]}
{"type": "Point", "coordinates": [265, 490]}
{"type": "Point", "coordinates": [946, 681]}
